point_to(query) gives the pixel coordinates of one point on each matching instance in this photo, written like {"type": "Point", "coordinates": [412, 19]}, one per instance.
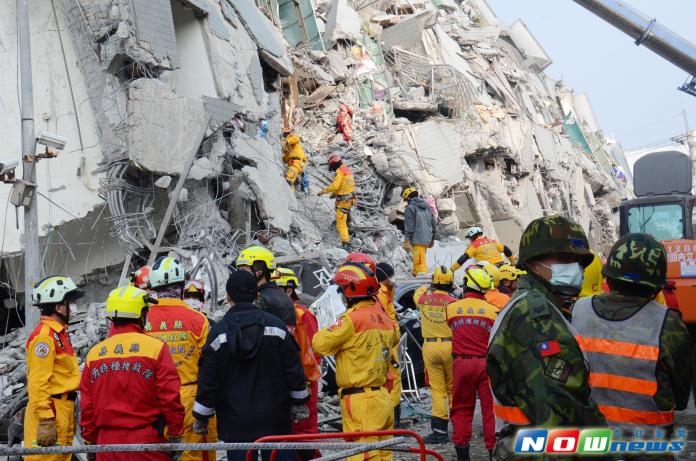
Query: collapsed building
{"type": "Point", "coordinates": [151, 93]}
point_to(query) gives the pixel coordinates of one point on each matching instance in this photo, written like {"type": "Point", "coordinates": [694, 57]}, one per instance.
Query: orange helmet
{"type": "Point", "coordinates": [334, 158]}
{"type": "Point", "coordinates": [141, 278]}
{"type": "Point", "coordinates": [363, 258]}
{"type": "Point", "coordinates": [356, 280]}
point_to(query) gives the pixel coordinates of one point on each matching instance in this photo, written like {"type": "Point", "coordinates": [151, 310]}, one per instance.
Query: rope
{"type": "Point", "coordinates": [219, 446]}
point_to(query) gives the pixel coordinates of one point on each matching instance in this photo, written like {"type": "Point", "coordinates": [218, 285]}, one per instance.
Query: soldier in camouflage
{"type": "Point", "coordinates": [639, 352]}
{"type": "Point", "coordinates": [536, 368]}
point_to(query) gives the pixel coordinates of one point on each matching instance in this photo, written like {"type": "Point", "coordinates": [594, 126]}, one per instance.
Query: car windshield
{"type": "Point", "coordinates": [664, 222]}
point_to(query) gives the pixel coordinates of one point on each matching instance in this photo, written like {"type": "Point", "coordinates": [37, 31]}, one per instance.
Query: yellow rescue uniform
{"type": "Point", "coordinates": [343, 188]}
{"type": "Point", "coordinates": [53, 377]}
{"type": "Point", "coordinates": [294, 158]}
{"type": "Point", "coordinates": [592, 279]}
{"type": "Point", "coordinates": [361, 341]}
{"type": "Point", "coordinates": [185, 331]}
{"type": "Point", "coordinates": [437, 348]}
{"type": "Point", "coordinates": [386, 299]}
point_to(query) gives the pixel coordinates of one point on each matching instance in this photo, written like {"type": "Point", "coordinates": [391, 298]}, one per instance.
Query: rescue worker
{"type": "Point", "coordinates": [53, 375]}
{"type": "Point", "coordinates": [294, 158]}
{"type": "Point", "coordinates": [261, 263]}
{"type": "Point", "coordinates": [194, 295]}
{"type": "Point", "coordinates": [141, 279]}
{"type": "Point", "coordinates": [432, 301]}
{"type": "Point", "coordinates": [385, 277]}
{"type": "Point", "coordinates": [592, 278]}
{"type": "Point", "coordinates": [493, 295]}
{"type": "Point", "coordinates": [185, 331]}
{"type": "Point", "coordinates": [343, 190]}
{"type": "Point", "coordinates": [307, 326]}
{"type": "Point", "coordinates": [508, 279]}
{"type": "Point", "coordinates": [471, 320]}
{"type": "Point", "coordinates": [250, 374]}
{"type": "Point", "coordinates": [483, 250]}
{"type": "Point", "coordinates": [420, 226]}
{"type": "Point", "coordinates": [639, 351]}
{"type": "Point", "coordinates": [361, 340]}
{"type": "Point", "coordinates": [129, 389]}
{"type": "Point", "coordinates": [536, 368]}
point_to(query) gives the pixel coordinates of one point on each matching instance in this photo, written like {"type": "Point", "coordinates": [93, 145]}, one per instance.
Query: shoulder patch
{"type": "Point", "coordinates": [41, 349]}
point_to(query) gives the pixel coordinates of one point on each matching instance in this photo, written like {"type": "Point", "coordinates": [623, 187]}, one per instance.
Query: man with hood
{"type": "Point", "coordinates": [250, 374]}
{"type": "Point", "coordinates": [420, 226]}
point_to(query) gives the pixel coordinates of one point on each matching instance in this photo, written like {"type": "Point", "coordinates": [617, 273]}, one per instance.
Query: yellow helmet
{"type": "Point", "coordinates": [256, 253]}
{"type": "Point", "coordinates": [284, 277]}
{"type": "Point", "coordinates": [443, 276]}
{"type": "Point", "coordinates": [477, 279]}
{"type": "Point", "coordinates": [127, 303]}
{"type": "Point", "coordinates": [407, 192]}
{"type": "Point", "coordinates": [509, 272]}
{"type": "Point", "coordinates": [494, 272]}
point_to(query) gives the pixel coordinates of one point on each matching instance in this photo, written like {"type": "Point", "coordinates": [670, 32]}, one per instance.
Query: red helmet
{"type": "Point", "coordinates": [334, 158]}
{"type": "Point", "coordinates": [363, 258]}
{"type": "Point", "coordinates": [355, 280]}
{"type": "Point", "coordinates": [141, 278]}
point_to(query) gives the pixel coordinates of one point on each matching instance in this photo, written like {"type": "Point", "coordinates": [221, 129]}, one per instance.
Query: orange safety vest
{"type": "Point", "coordinates": [623, 358]}
{"type": "Point", "coordinates": [304, 341]}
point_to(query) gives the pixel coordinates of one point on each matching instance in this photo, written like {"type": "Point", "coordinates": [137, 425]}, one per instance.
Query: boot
{"type": "Point", "coordinates": [490, 455]}
{"type": "Point", "coordinates": [439, 434]}
{"type": "Point", "coordinates": [463, 453]}
{"type": "Point", "coordinates": [397, 417]}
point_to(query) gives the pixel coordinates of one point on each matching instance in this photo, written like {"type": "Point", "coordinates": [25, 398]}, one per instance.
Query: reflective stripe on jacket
{"type": "Point", "coordinates": [623, 362]}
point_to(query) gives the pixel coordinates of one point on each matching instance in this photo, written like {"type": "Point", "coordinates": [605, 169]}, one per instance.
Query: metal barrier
{"type": "Point", "coordinates": [421, 449]}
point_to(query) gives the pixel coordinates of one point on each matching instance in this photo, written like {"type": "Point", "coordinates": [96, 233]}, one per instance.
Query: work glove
{"type": "Point", "coordinates": [175, 455]}
{"type": "Point", "coordinates": [299, 412]}
{"type": "Point", "coordinates": [200, 426]}
{"type": "Point", "coordinates": [46, 433]}
{"type": "Point", "coordinates": [407, 245]}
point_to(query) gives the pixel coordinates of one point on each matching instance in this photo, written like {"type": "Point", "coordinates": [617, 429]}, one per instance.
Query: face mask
{"type": "Point", "coordinates": [196, 304]}
{"type": "Point", "coordinates": [567, 278]}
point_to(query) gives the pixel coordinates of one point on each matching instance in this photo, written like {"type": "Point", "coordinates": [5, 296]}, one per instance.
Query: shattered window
{"type": "Point", "coordinates": [664, 222]}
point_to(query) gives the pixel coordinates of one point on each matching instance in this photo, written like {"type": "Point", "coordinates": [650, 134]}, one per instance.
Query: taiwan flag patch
{"type": "Point", "coordinates": [549, 348]}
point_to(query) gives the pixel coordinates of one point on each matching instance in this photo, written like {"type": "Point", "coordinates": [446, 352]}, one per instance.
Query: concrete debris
{"type": "Point", "coordinates": [442, 101]}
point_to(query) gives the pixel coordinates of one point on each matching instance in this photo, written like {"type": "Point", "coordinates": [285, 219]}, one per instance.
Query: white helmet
{"type": "Point", "coordinates": [166, 271]}
{"type": "Point", "coordinates": [54, 290]}
{"type": "Point", "coordinates": [470, 232]}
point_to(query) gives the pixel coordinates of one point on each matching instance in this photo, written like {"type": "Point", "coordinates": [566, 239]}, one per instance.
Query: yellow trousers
{"type": "Point", "coordinates": [438, 365]}
{"type": "Point", "coordinates": [368, 411]}
{"type": "Point", "coordinates": [294, 171]}
{"type": "Point", "coordinates": [419, 264]}
{"type": "Point", "coordinates": [65, 428]}
{"type": "Point", "coordinates": [342, 210]}
{"type": "Point", "coordinates": [395, 393]}
{"type": "Point", "coordinates": [188, 396]}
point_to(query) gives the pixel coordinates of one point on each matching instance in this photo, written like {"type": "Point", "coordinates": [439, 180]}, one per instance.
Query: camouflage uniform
{"type": "Point", "coordinates": [534, 362]}
{"type": "Point", "coordinates": [641, 260]}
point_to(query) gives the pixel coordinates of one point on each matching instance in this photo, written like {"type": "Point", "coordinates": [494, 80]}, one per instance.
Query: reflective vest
{"type": "Point", "coordinates": [623, 362]}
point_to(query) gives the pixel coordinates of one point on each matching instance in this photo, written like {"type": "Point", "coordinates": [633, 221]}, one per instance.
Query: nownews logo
{"type": "Point", "coordinates": [594, 441]}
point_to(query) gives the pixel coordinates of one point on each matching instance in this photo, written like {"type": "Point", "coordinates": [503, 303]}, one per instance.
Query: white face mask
{"type": "Point", "coordinates": [569, 275]}
{"type": "Point", "coordinates": [196, 304]}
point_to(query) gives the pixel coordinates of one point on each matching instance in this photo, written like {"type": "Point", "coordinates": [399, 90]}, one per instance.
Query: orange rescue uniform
{"type": "Point", "coordinates": [386, 299]}
{"type": "Point", "coordinates": [53, 377]}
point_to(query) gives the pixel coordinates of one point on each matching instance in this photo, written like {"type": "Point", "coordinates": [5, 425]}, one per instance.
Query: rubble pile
{"type": "Point", "coordinates": [443, 97]}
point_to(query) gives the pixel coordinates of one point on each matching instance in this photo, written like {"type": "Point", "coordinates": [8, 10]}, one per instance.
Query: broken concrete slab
{"type": "Point", "coordinates": [342, 23]}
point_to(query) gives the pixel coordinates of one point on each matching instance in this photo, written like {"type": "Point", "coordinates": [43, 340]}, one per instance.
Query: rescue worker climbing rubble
{"type": "Point", "coordinates": [294, 158]}
{"type": "Point", "coordinates": [185, 331]}
{"type": "Point", "coordinates": [250, 373]}
{"type": "Point", "coordinates": [471, 320]}
{"type": "Point", "coordinates": [385, 277]}
{"type": "Point", "coordinates": [343, 190]}
{"type": "Point", "coordinates": [53, 375]}
{"type": "Point", "coordinates": [432, 301]}
{"type": "Point", "coordinates": [129, 389]}
{"type": "Point", "coordinates": [261, 263]}
{"type": "Point", "coordinates": [420, 226]}
{"type": "Point", "coordinates": [483, 250]}
{"type": "Point", "coordinates": [361, 341]}
{"type": "Point", "coordinates": [307, 326]}
{"type": "Point", "coordinates": [639, 352]}
{"type": "Point", "coordinates": [536, 368]}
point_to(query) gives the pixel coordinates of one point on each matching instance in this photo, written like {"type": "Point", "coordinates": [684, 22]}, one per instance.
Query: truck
{"type": "Point", "coordinates": [664, 207]}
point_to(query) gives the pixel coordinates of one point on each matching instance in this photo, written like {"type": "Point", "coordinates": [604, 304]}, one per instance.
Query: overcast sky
{"type": "Point", "coordinates": [632, 90]}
